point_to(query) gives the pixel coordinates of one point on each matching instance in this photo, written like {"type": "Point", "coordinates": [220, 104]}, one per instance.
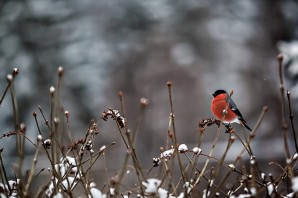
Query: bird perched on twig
{"type": "Point", "coordinates": [225, 109]}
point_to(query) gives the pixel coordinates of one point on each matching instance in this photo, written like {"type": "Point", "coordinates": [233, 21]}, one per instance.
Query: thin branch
{"type": "Point", "coordinates": [292, 119]}
{"type": "Point", "coordinates": [172, 118]}
{"type": "Point", "coordinates": [283, 114]}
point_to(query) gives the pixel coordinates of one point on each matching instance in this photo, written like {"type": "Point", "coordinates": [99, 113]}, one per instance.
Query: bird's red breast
{"type": "Point", "coordinates": [219, 103]}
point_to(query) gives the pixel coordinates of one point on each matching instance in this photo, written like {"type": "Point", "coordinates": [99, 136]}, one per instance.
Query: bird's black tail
{"type": "Point", "coordinates": [246, 126]}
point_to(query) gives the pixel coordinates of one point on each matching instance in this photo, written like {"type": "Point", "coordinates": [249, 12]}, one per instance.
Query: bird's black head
{"type": "Point", "coordinates": [217, 92]}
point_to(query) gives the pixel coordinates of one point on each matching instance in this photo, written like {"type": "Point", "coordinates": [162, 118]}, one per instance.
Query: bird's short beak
{"type": "Point", "coordinates": [213, 94]}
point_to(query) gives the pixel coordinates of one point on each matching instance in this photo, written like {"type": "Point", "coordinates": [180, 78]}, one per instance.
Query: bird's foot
{"type": "Point", "coordinates": [228, 127]}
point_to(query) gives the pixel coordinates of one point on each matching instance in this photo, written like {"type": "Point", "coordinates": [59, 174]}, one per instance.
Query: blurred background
{"type": "Point", "coordinates": [136, 47]}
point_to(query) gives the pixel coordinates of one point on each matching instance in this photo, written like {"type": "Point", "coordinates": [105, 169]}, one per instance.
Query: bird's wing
{"type": "Point", "coordinates": [234, 108]}
{"type": "Point", "coordinates": [237, 112]}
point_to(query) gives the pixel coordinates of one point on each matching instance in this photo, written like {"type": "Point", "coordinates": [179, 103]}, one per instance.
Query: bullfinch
{"type": "Point", "coordinates": [221, 101]}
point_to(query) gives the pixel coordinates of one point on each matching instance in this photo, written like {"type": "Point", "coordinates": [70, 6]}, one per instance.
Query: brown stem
{"type": "Point", "coordinates": [214, 175]}
{"type": "Point", "coordinates": [283, 114]}
{"type": "Point", "coordinates": [251, 136]}
{"type": "Point", "coordinates": [5, 91]}
{"type": "Point", "coordinates": [174, 132]}
{"type": "Point", "coordinates": [209, 157]}
{"type": "Point", "coordinates": [59, 111]}
{"type": "Point", "coordinates": [4, 173]}
{"type": "Point", "coordinates": [19, 138]}
{"type": "Point", "coordinates": [34, 162]}
{"type": "Point", "coordinates": [292, 119]}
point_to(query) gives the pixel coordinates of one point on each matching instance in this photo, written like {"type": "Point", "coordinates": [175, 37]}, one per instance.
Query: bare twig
{"type": "Point", "coordinates": [209, 157]}
{"type": "Point", "coordinates": [251, 136]}
{"type": "Point", "coordinates": [34, 162]}
{"type": "Point", "coordinates": [19, 137]}
{"type": "Point", "coordinates": [5, 91]}
{"type": "Point", "coordinates": [292, 119]}
{"type": "Point", "coordinates": [283, 114]}
{"type": "Point", "coordinates": [59, 111]}
{"type": "Point", "coordinates": [3, 172]}
{"type": "Point", "coordinates": [172, 118]}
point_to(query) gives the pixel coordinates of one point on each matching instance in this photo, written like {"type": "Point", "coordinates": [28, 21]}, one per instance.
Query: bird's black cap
{"type": "Point", "coordinates": [217, 92]}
